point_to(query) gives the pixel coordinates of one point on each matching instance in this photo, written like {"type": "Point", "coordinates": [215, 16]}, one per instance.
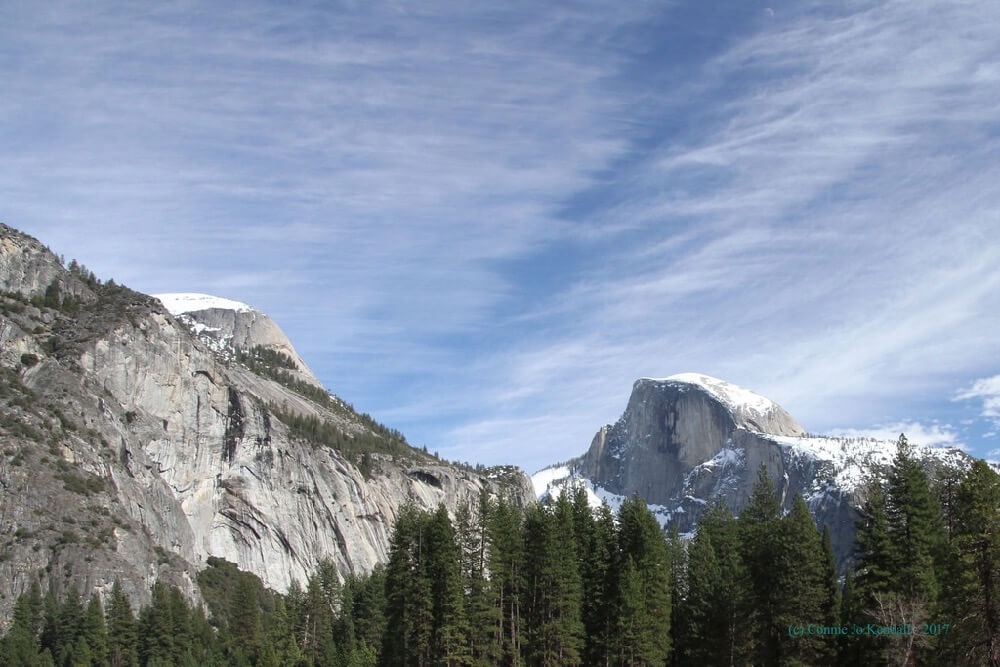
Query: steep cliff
{"type": "Point", "coordinates": [689, 438]}
{"type": "Point", "coordinates": [133, 448]}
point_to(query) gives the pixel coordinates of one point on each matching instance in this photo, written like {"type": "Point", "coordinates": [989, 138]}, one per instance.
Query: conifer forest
{"type": "Point", "coordinates": [561, 583]}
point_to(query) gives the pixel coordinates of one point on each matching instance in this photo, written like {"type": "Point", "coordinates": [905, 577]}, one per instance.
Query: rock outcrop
{"type": "Point", "coordinates": [224, 323]}
{"type": "Point", "coordinates": [687, 439]}
{"type": "Point", "coordinates": [133, 448]}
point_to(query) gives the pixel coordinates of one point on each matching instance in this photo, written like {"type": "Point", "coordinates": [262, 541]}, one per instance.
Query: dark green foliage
{"type": "Point", "coordinates": [759, 537]}
{"type": "Point", "coordinates": [916, 529]}
{"type": "Point", "coordinates": [505, 538]}
{"type": "Point", "coordinates": [641, 560]}
{"type": "Point", "coordinates": [83, 484]}
{"type": "Point", "coordinates": [598, 586]}
{"type": "Point", "coordinates": [972, 597]}
{"type": "Point", "coordinates": [409, 603]}
{"type": "Point", "coordinates": [260, 359]}
{"type": "Point", "coordinates": [552, 585]}
{"type": "Point", "coordinates": [712, 616]}
{"type": "Point", "coordinates": [156, 627]}
{"type": "Point", "coordinates": [560, 584]}
{"type": "Point", "coordinates": [804, 589]}
{"type": "Point", "coordinates": [873, 547]}
{"type": "Point", "coordinates": [831, 593]}
{"type": "Point", "coordinates": [358, 447]}
{"type": "Point", "coordinates": [123, 638]}
{"type": "Point", "coordinates": [852, 649]}
{"type": "Point", "coordinates": [95, 634]}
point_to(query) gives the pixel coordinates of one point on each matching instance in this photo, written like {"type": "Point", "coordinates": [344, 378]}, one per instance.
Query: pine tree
{"type": "Point", "coordinates": [482, 614]}
{"type": "Point", "coordinates": [552, 585]}
{"type": "Point", "coordinates": [122, 635]}
{"type": "Point", "coordinates": [851, 649]}
{"type": "Point", "coordinates": [156, 626]}
{"type": "Point", "coordinates": [280, 646]}
{"type": "Point", "coordinates": [95, 632]}
{"type": "Point", "coordinates": [70, 625]}
{"type": "Point", "coordinates": [505, 557]}
{"type": "Point", "coordinates": [369, 611]}
{"type": "Point", "coordinates": [680, 619]}
{"type": "Point", "coordinates": [873, 575]}
{"type": "Point", "coordinates": [27, 613]}
{"type": "Point", "coordinates": [973, 599]}
{"type": "Point", "coordinates": [760, 550]}
{"type": "Point", "coordinates": [409, 602]}
{"type": "Point", "coordinates": [206, 649]}
{"type": "Point", "coordinates": [918, 539]}
{"type": "Point", "coordinates": [873, 548]}
{"type": "Point", "coordinates": [831, 596]}
{"type": "Point", "coordinates": [915, 528]}
{"type": "Point", "coordinates": [640, 539]}
{"type": "Point", "coordinates": [803, 596]}
{"type": "Point", "coordinates": [81, 655]}
{"type": "Point", "coordinates": [946, 488]}
{"type": "Point", "coordinates": [18, 647]}
{"type": "Point", "coordinates": [631, 617]}
{"type": "Point", "coordinates": [598, 614]}
{"type": "Point", "coordinates": [245, 626]}
{"type": "Point", "coordinates": [702, 615]}
{"type": "Point", "coordinates": [50, 633]}
{"type": "Point", "coordinates": [318, 643]}
{"type": "Point", "coordinates": [583, 524]}
{"type": "Point", "coordinates": [449, 633]}
{"type": "Point", "coordinates": [716, 606]}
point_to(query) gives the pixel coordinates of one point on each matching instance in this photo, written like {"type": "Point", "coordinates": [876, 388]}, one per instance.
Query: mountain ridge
{"type": "Point", "coordinates": [132, 450]}
{"type": "Point", "coordinates": [686, 439]}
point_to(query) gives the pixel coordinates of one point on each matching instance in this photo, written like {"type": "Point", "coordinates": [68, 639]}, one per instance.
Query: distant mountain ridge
{"type": "Point", "coordinates": [688, 438]}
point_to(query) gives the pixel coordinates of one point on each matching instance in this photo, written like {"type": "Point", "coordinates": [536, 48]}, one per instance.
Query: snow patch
{"type": "Point", "coordinates": [550, 482]}
{"type": "Point", "coordinates": [851, 460]}
{"type": "Point", "coordinates": [731, 395]}
{"type": "Point", "coordinates": [190, 302]}
{"type": "Point", "coordinates": [545, 478]}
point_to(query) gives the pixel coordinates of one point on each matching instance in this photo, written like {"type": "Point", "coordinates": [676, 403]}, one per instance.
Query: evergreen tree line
{"type": "Point", "coordinates": [560, 583]}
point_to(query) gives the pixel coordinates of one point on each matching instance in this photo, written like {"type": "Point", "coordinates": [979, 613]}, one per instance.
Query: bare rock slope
{"type": "Point", "coordinates": [689, 438]}
{"type": "Point", "coordinates": [134, 444]}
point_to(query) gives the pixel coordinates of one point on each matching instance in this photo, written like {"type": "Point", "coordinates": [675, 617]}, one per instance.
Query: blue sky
{"type": "Point", "coordinates": [481, 222]}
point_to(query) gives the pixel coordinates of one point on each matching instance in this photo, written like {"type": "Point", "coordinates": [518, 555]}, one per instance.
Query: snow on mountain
{"type": "Point", "coordinates": [688, 439]}
{"type": "Point", "coordinates": [731, 395]}
{"type": "Point", "coordinates": [851, 460]}
{"type": "Point", "coordinates": [191, 302]}
{"type": "Point", "coordinates": [544, 479]}
{"type": "Point", "coordinates": [550, 482]}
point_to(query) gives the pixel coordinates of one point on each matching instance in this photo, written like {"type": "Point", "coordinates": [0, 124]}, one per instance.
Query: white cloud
{"type": "Point", "coordinates": [809, 211]}
{"type": "Point", "coordinates": [987, 389]}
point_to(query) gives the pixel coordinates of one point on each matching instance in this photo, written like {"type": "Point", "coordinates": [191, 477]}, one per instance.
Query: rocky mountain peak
{"type": "Point", "coordinates": [229, 326]}
{"type": "Point", "coordinates": [687, 439]}
{"type": "Point", "coordinates": [748, 409]}
{"type": "Point", "coordinates": [137, 444]}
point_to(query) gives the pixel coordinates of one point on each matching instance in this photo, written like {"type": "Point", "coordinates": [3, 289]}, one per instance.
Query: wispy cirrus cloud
{"type": "Point", "coordinates": [822, 237]}
{"type": "Point", "coordinates": [988, 390]}
{"type": "Point", "coordinates": [483, 223]}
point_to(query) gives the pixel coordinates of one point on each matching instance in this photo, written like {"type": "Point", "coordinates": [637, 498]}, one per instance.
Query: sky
{"type": "Point", "coordinates": [482, 222]}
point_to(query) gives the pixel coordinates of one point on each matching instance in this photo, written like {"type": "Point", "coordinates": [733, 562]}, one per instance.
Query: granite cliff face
{"type": "Point", "coordinates": [687, 439]}
{"type": "Point", "coordinates": [226, 325]}
{"type": "Point", "coordinates": [132, 446]}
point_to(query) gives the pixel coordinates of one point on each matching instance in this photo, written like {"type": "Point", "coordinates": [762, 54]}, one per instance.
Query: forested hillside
{"type": "Point", "coordinates": [562, 584]}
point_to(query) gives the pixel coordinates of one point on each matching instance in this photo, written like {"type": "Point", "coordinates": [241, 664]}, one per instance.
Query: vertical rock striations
{"type": "Point", "coordinates": [689, 438]}
{"type": "Point", "coordinates": [134, 444]}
